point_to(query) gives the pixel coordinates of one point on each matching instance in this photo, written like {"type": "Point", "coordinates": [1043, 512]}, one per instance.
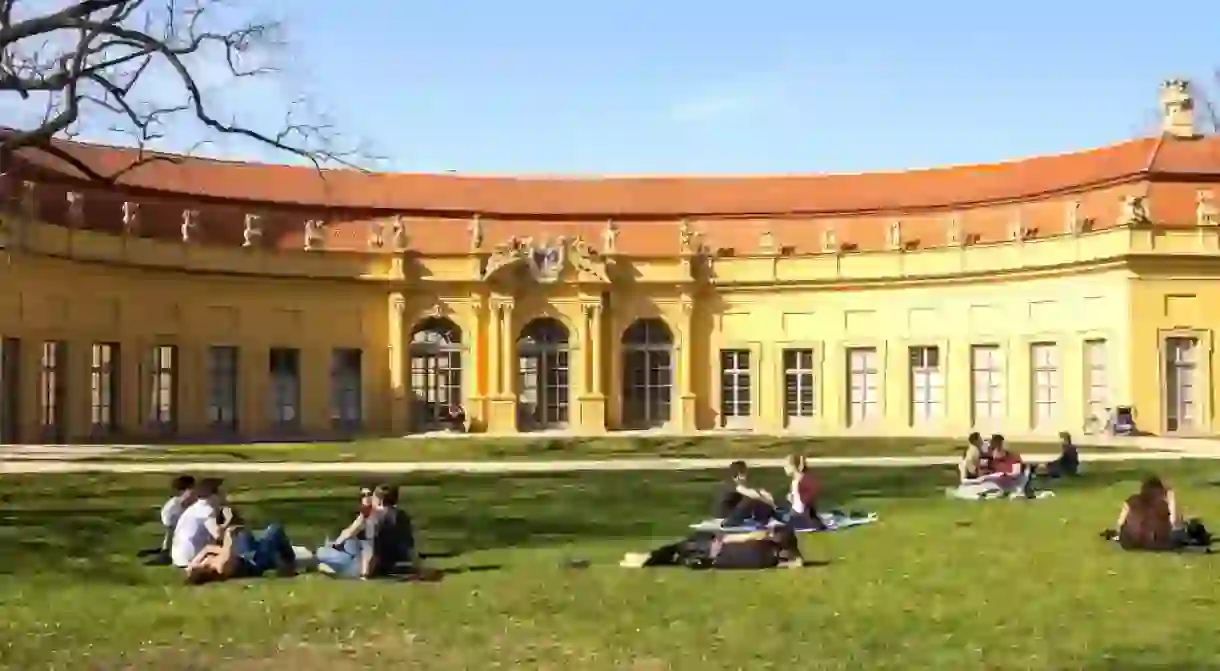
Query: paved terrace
{"type": "Point", "coordinates": [91, 459]}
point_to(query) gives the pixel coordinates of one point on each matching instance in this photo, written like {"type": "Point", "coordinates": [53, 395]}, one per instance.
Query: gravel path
{"type": "Point", "coordinates": [51, 466]}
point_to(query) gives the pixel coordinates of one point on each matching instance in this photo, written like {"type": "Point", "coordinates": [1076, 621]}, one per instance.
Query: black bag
{"type": "Point", "coordinates": [760, 553]}
{"type": "Point", "coordinates": [1197, 535]}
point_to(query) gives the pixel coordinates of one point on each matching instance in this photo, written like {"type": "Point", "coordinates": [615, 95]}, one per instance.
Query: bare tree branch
{"type": "Point", "coordinates": [143, 69]}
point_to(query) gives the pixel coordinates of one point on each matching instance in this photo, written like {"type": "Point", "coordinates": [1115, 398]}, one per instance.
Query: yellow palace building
{"type": "Point", "coordinates": [209, 300]}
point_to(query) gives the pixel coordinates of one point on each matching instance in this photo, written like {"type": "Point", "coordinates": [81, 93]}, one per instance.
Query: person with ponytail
{"type": "Point", "coordinates": [803, 495]}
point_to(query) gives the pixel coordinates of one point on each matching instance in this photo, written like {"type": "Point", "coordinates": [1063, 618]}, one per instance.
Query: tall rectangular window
{"type": "Point", "coordinates": [162, 390]}
{"type": "Point", "coordinates": [863, 386]}
{"type": "Point", "coordinates": [1096, 381]}
{"type": "Point", "coordinates": [1044, 364]}
{"type": "Point", "coordinates": [285, 369]}
{"type": "Point", "coordinates": [345, 383]}
{"type": "Point", "coordinates": [736, 386]}
{"type": "Point", "coordinates": [222, 388]}
{"type": "Point", "coordinates": [927, 386]}
{"type": "Point", "coordinates": [10, 389]}
{"type": "Point", "coordinates": [799, 392]}
{"type": "Point", "coordinates": [52, 390]}
{"type": "Point", "coordinates": [1181, 360]}
{"type": "Point", "coordinates": [104, 387]}
{"type": "Point", "coordinates": [987, 386]}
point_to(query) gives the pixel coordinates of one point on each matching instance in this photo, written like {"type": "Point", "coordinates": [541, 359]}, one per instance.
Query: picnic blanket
{"type": "Point", "coordinates": [985, 491]}
{"type": "Point", "coordinates": [834, 521]}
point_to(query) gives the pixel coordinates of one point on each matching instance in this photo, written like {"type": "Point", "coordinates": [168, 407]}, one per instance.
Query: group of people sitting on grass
{"type": "Point", "coordinates": [991, 468]}
{"type": "Point", "coordinates": [771, 526]}
{"type": "Point", "coordinates": [209, 540]}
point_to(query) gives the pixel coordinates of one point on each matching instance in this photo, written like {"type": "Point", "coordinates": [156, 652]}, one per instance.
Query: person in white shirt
{"type": "Point", "coordinates": [184, 496]}
{"type": "Point", "coordinates": [199, 524]}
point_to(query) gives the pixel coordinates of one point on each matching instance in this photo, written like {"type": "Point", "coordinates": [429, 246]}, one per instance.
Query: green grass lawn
{"type": "Point", "coordinates": [936, 584]}
{"type": "Point", "coordinates": [613, 447]}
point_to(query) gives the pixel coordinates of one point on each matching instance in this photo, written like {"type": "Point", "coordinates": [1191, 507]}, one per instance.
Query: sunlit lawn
{"type": "Point", "coordinates": [936, 584]}
{"type": "Point", "coordinates": [565, 448]}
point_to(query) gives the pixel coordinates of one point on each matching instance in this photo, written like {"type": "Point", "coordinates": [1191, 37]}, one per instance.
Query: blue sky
{"type": "Point", "coordinates": [545, 87]}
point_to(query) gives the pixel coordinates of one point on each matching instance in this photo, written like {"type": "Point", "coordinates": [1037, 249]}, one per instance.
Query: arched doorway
{"type": "Point", "coordinates": [648, 347]}
{"type": "Point", "coordinates": [542, 375]}
{"type": "Point", "coordinates": [436, 371]}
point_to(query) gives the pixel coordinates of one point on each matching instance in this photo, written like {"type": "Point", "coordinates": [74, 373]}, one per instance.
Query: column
{"type": "Point", "coordinates": [400, 406]}
{"type": "Point", "coordinates": [592, 402]}
{"type": "Point", "coordinates": [502, 415]}
{"type": "Point", "coordinates": [473, 364]}
{"type": "Point", "coordinates": [598, 363]}
{"type": "Point", "coordinates": [494, 352]}
{"type": "Point", "coordinates": [686, 399]}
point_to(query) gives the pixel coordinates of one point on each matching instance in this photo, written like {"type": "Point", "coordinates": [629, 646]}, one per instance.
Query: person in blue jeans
{"type": "Point", "coordinates": [377, 543]}
{"type": "Point", "coordinates": [243, 554]}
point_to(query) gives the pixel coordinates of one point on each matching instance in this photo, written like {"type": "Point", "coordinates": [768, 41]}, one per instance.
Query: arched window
{"type": "Point", "coordinates": [543, 387]}
{"type": "Point", "coordinates": [648, 347]}
{"type": "Point", "coordinates": [436, 370]}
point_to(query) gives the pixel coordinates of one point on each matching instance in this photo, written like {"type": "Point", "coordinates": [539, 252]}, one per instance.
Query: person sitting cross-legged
{"type": "Point", "coordinates": [1067, 464]}
{"type": "Point", "coordinates": [739, 504]}
{"type": "Point", "coordinates": [974, 463]}
{"type": "Point", "coordinates": [1007, 470]}
{"type": "Point", "coordinates": [388, 542]}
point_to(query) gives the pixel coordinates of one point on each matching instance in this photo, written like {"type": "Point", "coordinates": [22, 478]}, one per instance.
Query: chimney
{"type": "Point", "coordinates": [1177, 109]}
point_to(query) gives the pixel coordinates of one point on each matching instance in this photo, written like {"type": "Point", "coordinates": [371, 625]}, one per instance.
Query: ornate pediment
{"type": "Point", "coordinates": [546, 261]}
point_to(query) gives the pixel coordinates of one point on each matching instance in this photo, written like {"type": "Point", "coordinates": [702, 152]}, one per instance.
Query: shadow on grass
{"type": "Point", "coordinates": [91, 526]}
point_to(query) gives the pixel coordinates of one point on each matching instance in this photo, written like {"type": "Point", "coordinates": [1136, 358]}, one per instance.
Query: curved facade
{"type": "Point", "coordinates": [206, 300]}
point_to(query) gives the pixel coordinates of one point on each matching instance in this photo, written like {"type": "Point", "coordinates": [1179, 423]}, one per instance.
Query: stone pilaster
{"type": "Point", "coordinates": [686, 397]}
{"type": "Point", "coordinates": [502, 415]}
{"type": "Point", "coordinates": [400, 394]}
{"type": "Point", "coordinates": [592, 401]}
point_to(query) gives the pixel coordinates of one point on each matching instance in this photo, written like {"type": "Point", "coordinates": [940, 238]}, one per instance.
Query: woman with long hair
{"type": "Point", "coordinates": [802, 494]}
{"type": "Point", "coordinates": [1148, 520]}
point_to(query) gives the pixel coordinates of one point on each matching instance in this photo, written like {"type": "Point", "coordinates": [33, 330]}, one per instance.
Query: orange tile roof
{"type": "Point", "coordinates": [648, 197]}
{"type": "Point", "coordinates": [730, 212]}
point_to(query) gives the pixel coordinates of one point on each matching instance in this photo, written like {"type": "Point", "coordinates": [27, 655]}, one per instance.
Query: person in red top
{"type": "Point", "coordinates": [1007, 470]}
{"type": "Point", "coordinates": [802, 495]}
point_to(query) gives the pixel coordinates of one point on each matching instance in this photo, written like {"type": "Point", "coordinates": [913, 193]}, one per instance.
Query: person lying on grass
{"type": "Point", "coordinates": [768, 548]}
{"type": "Point", "coordinates": [376, 543]}
{"type": "Point", "coordinates": [241, 554]}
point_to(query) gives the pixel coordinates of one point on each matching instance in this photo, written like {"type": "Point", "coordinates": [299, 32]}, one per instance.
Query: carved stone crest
{"type": "Point", "coordinates": [1134, 211]}
{"type": "Point", "coordinates": [546, 260]}
{"type": "Point", "coordinates": [1206, 211]}
{"type": "Point", "coordinates": [586, 260]}
{"type": "Point", "coordinates": [252, 232]}
{"type": "Point", "coordinates": [313, 234]}
{"type": "Point", "coordinates": [190, 225]}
